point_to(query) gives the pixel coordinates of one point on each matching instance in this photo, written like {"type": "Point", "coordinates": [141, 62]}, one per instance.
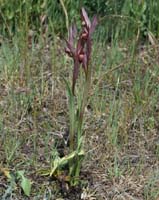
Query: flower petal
{"type": "Point", "coordinates": [85, 18]}
{"type": "Point", "coordinates": [93, 24]}
{"type": "Point", "coordinates": [80, 46]}
{"type": "Point", "coordinates": [70, 50]}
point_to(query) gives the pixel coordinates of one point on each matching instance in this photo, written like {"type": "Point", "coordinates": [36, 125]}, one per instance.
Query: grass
{"type": "Point", "coordinates": [121, 118]}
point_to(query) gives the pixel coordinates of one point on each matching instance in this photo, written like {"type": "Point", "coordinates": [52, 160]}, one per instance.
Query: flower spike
{"type": "Point", "coordinates": [81, 53]}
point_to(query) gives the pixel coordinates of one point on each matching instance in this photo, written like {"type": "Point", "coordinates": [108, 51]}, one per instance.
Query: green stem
{"type": "Point", "coordinates": [72, 124]}
{"type": "Point", "coordinates": [78, 162]}
{"type": "Point", "coordinates": [84, 102]}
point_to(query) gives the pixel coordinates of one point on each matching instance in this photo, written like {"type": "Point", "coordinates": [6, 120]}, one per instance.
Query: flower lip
{"type": "Point", "coordinates": [81, 57]}
{"type": "Point", "coordinates": [84, 36]}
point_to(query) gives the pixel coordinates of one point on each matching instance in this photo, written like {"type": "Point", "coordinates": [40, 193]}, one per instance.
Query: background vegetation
{"type": "Point", "coordinates": [142, 15]}
{"type": "Point", "coordinates": [121, 125]}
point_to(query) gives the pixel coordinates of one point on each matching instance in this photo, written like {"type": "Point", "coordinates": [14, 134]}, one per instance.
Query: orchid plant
{"type": "Point", "coordinates": [78, 47]}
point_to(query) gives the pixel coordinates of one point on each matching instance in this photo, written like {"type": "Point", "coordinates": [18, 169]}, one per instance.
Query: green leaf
{"type": "Point", "coordinates": [59, 162]}
{"type": "Point", "coordinates": [69, 91]}
{"type": "Point", "coordinates": [25, 183]}
{"type": "Point", "coordinates": [20, 173]}
{"type": "Point", "coordinates": [26, 186]}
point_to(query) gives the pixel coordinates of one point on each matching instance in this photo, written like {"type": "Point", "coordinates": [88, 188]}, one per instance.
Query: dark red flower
{"type": "Point", "coordinates": [80, 53]}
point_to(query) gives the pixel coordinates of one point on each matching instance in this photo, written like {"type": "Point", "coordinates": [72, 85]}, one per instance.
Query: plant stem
{"type": "Point", "coordinates": [87, 84]}
{"type": "Point", "coordinates": [84, 102]}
